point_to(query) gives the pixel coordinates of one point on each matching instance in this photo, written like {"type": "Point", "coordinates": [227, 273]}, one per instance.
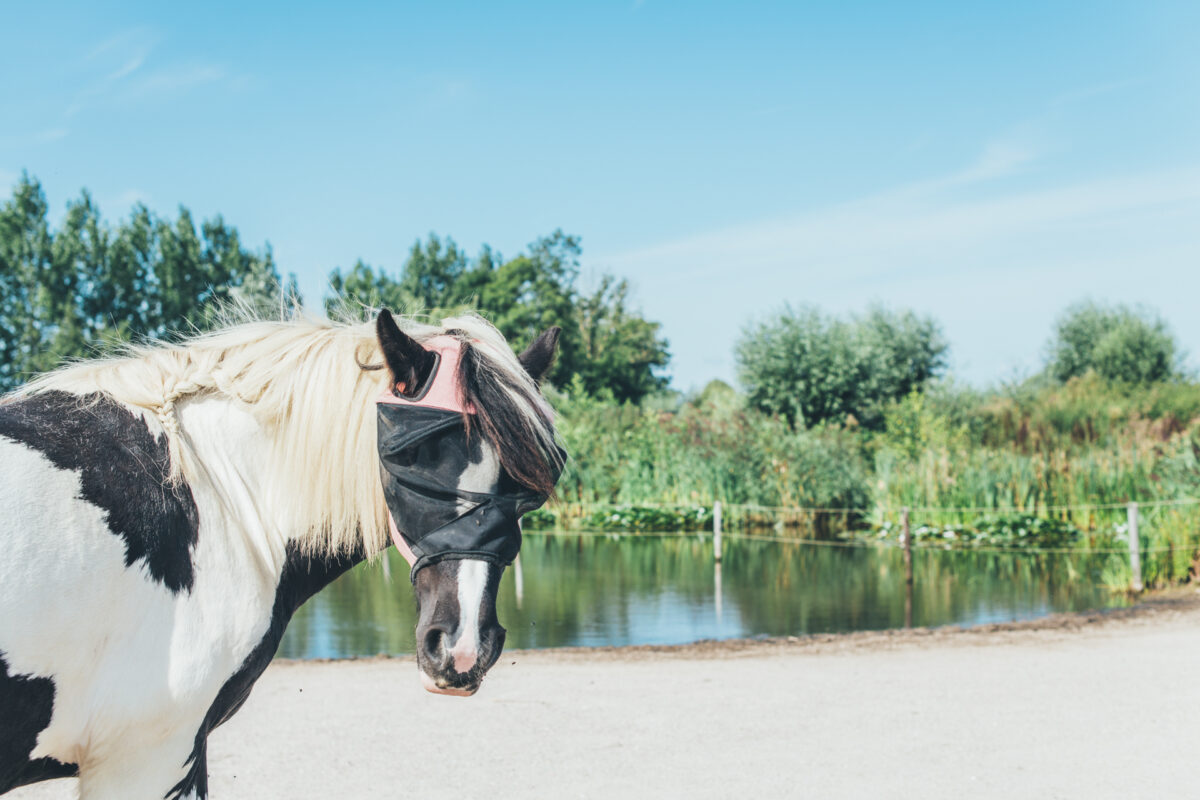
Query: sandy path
{"type": "Point", "coordinates": [1077, 707]}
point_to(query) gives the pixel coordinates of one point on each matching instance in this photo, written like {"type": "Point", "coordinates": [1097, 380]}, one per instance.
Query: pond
{"type": "Point", "coordinates": [596, 590]}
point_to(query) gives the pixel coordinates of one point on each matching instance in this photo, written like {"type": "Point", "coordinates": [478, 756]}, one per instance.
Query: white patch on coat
{"type": "Point", "coordinates": [472, 582]}
{"type": "Point", "coordinates": [481, 477]}
{"type": "Point", "coordinates": [135, 667]}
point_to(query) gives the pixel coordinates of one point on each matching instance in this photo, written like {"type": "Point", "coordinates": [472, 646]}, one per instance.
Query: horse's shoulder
{"type": "Point", "coordinates": [123, 468]}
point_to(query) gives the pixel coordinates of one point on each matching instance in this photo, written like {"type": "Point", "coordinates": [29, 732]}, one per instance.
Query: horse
{"type": "Point", "coordinates": [168, 509]}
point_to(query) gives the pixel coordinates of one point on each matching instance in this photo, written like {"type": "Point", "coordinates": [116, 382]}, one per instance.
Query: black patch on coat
{"type": "Point", "coordinates": [123, 469]}
{"type": "Point", "coordinates": [26, 705]}
{"type": "Point", "coordinates": [302, 578]}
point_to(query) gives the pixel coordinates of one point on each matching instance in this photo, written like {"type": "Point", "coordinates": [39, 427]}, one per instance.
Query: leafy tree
{"type": "Point", "coordinates": [65, 293]}
{"type": "Point", "coordinates": [811, 368]}
{"type": "Point", "coordinates": [1132, 345]}
{"type": "Point", "coordinates": [363, 287]}
{"type": "Point", "coordinates": [605, 345]}
{"type": "Point", "coordinates": [433, 273]}
{"type": "Point", "coordinates": [25, 256]}
{"type": "Point", "coordinates": [619, 350]}
{"type": "Point", "coordinates": [527, 294]}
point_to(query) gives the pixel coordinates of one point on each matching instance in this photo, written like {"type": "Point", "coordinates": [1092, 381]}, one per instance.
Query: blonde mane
{"type": "Point", "coordinates": [310, 384]}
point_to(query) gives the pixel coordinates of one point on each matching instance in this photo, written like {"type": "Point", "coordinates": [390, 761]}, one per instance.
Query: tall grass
{"type": "Point", "coordinates": [955, 456]}
{"type": "Point", "coordinates": [698, 452]}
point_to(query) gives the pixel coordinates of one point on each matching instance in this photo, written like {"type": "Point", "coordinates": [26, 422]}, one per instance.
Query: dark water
{"type": "Point", "coordinates": [598, 590]}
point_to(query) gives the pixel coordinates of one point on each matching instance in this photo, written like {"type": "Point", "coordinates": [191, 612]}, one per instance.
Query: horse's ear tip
{"type": "Point", "coordinates": [385, 322]}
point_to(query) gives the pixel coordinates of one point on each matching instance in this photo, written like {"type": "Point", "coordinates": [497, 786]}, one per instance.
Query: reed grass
{"type": "Point", "coordinates": [957, 457]}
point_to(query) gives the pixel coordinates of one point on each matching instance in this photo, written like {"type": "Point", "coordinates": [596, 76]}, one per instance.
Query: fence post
{"type": "Point", "coordinates": [519, 579]}
{"type": "Point", "coordinates": [518, 575]}
{"type": "Point", "coordinates": [717, 590]}
{"type": "Point", "coordinates": [906, 540]}
{"type": "Point", "coordinates": [1135, 556]}
{"type": "Point", "coordinates": [717, 530]}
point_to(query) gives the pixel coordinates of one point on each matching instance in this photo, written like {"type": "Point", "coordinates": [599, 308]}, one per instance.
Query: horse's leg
{"type": "Point", "coordinates": [174, 768]}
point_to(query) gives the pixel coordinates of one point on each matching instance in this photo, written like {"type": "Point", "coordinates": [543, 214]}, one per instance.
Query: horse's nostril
{"type": "Point", "coordinates": [436, 646]}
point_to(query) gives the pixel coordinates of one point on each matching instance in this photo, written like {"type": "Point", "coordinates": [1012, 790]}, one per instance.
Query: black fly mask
{"type": "Point", "coordinates": [437, 506]}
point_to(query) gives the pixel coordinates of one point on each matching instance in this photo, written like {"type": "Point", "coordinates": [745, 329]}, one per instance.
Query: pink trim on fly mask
{"type": "Point", "coordinates": [401, 545]}
{"type": "Point", "coordinates": [443, 394]}
{"type": "Point", "coordinates": [444, 391]}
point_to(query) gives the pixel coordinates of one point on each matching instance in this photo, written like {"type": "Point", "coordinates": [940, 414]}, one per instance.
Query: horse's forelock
{"type": "Point", "coordinates": [512, 415]}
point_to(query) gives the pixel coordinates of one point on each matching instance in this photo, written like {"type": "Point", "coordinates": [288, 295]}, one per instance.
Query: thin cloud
{"type": "Point", "coordinates": [922, 215]}
{"type": "Point", "coordinates": [46, 136]}
{"type": "Point", "coordinates": [177, 79]}
{"type": "Point", "coordinates": [128, 68]}
{"type": "Point", "coordinates": [123, 70]}
{"type": "Point", "coordinates": [983, 255]}
{"type": "Point", "coordinates": [52, 135]}
{"type": "Point", "coordinates": [127, 199]}
{"type": "Point", "coordinates": [1095, 90]}
{"type": "Point", "coordinates": [123, 54]}
{"type": "Point", "coordinates": [139, 38]}
{"type": "Point", "coordinates": [1000, 158]}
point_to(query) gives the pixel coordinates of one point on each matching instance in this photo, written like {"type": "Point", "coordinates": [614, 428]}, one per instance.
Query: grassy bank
{"type": "Point", "coordinates": [1038, 465]}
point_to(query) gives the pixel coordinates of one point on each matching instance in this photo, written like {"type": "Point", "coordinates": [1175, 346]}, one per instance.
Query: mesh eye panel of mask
{"type": "Point", "coordinates": [424, 452]}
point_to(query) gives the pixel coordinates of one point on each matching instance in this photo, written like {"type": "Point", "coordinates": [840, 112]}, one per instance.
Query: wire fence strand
{"type": "Point", "coordinates": [1010, 509]}
{"type": "Point", "coordinates": [851, 544]}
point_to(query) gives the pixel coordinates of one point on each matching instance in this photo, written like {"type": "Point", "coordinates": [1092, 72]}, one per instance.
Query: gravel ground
{"type": "Point", "coordinates": [1093, 705]}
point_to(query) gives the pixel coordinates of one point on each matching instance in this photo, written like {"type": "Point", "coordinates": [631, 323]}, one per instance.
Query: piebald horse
{"type": "Point", "coordinates": [165, 513]}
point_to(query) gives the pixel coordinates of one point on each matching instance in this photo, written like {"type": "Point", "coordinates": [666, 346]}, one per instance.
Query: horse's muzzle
{"type": "Point", "coordinates": [457, 666]}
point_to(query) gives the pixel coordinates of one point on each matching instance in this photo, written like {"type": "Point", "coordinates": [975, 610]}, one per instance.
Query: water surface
{"type": "Point", "coordinates": [605, 590]}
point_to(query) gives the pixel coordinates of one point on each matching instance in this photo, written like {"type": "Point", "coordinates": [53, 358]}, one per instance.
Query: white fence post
{"type": "Point", "coordinates": [717, 530]}
{"type": "Point", "coordinates": [1135, 556]}
{"type": "Point", "coordinates": [518, 575]}
{"type": "Point", "coordinates": [906, 540]}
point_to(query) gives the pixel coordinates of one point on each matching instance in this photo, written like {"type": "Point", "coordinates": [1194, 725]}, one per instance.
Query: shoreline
{"type": "Point", "coordinates": [1153, 605]}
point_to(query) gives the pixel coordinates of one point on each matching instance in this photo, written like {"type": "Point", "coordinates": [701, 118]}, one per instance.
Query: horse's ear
{"type": "Point", "coordinates": [539, 356]}
{"type": "Point", "coordinates": [409, 363]}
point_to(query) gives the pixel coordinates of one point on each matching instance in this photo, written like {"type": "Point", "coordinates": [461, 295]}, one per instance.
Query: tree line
{"type": "Point", "coordinates": [76, 289]}
{"type": "Point", "coordinates": [73, 290]}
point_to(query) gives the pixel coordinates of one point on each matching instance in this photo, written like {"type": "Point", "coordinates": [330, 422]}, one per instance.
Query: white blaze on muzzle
{"type": "Point", "coordinates": [424, 449]}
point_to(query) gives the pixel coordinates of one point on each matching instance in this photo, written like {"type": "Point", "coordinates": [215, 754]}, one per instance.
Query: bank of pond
{"type": "Point", "coordinates": [599, 589]}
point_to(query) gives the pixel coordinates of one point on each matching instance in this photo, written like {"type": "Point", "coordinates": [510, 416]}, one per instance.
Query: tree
{"type": "Point", "coordinates": [1131, 345]}
{"type": "Point", "coordinates": [65, 293]}
{"type": "Point", "coordinates": [364, 287]}
{"type": "Point", "coordinates": [609, 347]}
{"type": "Point", "coordinates": [534, 291]}
{"type": "Point", "coordinates": [811, 368]}
{"type": "Point", "coordinates": [25, 255]}
{"type": "Point", "coordinates": [619, 351]}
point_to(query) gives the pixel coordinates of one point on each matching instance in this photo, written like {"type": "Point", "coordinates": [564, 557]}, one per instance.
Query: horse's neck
{"type": "Point", "coordinates": [231, 453]}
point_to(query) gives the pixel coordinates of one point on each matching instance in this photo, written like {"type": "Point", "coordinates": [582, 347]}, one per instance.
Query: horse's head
{"type": "Point", "coordinates": [466, 445]}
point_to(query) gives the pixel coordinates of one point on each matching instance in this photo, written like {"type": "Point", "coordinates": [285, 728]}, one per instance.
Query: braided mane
{"type": "Point", "coordinates": [303, 382]}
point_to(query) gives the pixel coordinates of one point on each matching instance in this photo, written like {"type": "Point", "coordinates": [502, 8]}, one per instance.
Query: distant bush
{"type": "Point", "coordinates": [812, 369]}
{"type": "Point", "coordinates": [1119, 343]}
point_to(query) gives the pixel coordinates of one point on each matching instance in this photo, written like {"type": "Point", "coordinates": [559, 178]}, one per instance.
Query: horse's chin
{"type": "Point", "coordinates": [454, 691]}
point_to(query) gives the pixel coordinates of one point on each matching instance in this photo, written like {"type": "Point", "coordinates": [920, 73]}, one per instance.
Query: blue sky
{"type": "Point", "coordinates": [985, 163]}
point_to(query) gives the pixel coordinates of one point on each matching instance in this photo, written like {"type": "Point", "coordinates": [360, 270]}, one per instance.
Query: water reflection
{"type": "Point", "coordinates": [588, 590]}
